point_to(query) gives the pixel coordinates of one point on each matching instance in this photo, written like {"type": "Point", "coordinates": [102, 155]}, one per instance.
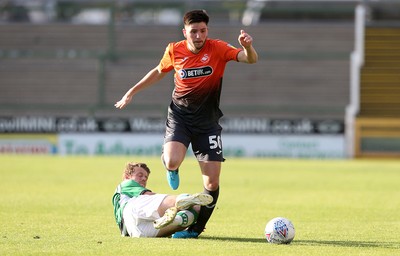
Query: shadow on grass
{"type": "Point", "coordinates": [362, 244]}
{"type": "Point", "coordinates": [235, 239]}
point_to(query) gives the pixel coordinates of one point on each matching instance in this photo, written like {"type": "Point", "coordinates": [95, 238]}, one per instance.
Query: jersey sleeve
{"type": "Point", "coordinates": [166, 64]}
{"type": "Point", "coordinates": [229, 51]}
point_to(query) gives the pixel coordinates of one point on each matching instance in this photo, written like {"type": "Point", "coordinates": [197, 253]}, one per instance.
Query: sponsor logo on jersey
{"type": "Point", "coordinates": [195, 72]}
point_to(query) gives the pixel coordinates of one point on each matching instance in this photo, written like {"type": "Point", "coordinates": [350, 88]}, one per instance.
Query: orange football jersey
{"type": "Point", "coordinates": [198, 77]}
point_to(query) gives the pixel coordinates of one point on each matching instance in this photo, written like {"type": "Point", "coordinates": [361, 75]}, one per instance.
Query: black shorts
{"type": "Point", "coordinates": [206, 143]}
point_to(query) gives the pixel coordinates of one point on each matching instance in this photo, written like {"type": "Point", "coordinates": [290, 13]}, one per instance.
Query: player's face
{"type": "Point", "coordinates": [196, 35]}
{"type": "Point", "coordinates": [140, 176]}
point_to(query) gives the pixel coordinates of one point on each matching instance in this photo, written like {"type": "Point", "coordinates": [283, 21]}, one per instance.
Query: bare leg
{"type": "Point", "coordinates": [173, 153]}
{"type": "Point", "coordinates": [169, 230]}
{"type": "Point", "coordinates": [211, 171]}
{"type": "Point", "coordinates": [168, 202]}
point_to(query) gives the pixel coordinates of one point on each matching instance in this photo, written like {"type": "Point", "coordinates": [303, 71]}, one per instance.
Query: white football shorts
{"type": "Point", "coordinates": [139, 214]}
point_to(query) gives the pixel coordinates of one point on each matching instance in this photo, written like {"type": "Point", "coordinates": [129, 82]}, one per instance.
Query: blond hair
{"type": "Point", "coordinates": [130, 169]}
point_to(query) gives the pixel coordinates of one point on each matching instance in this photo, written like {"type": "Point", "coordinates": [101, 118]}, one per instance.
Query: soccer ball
{"type": "Point", "coordinates": [279, 230]}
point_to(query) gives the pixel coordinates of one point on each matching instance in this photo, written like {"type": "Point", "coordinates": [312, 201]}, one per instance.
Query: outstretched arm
{"type": "Point", "coordinates": [149, 79]}
{"type": "Point", "coordinates": [249, 54]}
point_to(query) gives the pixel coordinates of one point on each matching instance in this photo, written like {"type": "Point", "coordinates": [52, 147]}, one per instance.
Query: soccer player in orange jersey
{"type": "Point", "coordinates": [193, 115]}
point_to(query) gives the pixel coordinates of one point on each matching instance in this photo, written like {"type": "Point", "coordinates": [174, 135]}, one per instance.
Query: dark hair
{"type": "Point", "coordinates": [195, 16]}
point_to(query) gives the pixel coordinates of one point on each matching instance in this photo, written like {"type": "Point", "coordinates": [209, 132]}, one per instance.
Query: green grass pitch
{"type": "Point", "coordinates": [52, 205]}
